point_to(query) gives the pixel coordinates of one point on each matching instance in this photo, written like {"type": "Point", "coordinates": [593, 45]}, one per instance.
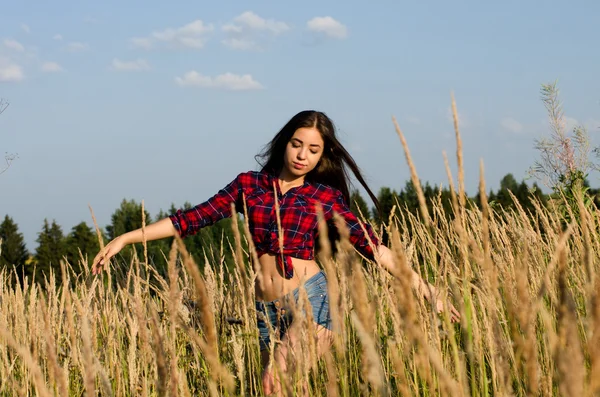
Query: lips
{"type": "Point", "coordinates": [298, 165]}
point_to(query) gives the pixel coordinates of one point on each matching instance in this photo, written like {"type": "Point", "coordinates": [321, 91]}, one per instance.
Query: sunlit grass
{"type": "Point", "coordinates": [526, 285]}
{"type": "Point", "coordinates": [527, 292]}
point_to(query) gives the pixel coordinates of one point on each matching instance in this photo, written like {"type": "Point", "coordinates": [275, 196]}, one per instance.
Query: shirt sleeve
{"type": "Point", "coordinates": [358, 238]}
{"type": "Point", "coordinates": [188, 222]}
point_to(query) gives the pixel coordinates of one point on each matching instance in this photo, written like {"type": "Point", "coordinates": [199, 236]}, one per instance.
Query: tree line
{"type": "Point", "coordinates": [81, 243]}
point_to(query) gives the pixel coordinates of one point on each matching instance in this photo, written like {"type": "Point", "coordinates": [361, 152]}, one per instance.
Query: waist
{"type": "Point", "coordinates": [271, 282]}
{"type": "Point", "coordinates": [313, 285]}
{"type": "Point", "coordinates": [303, 252]}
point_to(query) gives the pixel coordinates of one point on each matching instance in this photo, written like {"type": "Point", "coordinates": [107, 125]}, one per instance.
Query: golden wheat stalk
{"type": "Point", "coordinates": [413, 175]}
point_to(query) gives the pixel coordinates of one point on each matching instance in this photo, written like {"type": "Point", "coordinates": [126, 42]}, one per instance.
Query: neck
{"type": "Point", "coordinates": [288, 179]}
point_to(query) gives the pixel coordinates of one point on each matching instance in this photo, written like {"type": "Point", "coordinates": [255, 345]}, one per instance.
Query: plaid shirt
{"type": "Point", "coordinates": [296, 210]}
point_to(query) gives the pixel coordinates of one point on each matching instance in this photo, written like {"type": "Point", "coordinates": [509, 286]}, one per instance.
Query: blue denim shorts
{"type": "Point", "coordinates": [277, 312]}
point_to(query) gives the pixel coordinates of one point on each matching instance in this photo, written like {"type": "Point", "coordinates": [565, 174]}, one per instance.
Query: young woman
{"type": "Point", "coordinates": [303, 165]}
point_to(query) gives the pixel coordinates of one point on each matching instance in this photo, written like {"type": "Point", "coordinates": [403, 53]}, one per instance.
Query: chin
{"type": "Point", "coordinates": [299, 173]}
{"type": "Point", "coordinates": [293, 171]}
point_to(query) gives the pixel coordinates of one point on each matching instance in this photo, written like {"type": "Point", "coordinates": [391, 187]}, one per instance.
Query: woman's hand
{"type": "Point", "coordinates": [454, 314]}
{"type": "Point", "coordinates": [422, 287]}
{"type": "Point", "coordinates": [429, 292]}
{"type": "Point", "coordinates": [110, 250]}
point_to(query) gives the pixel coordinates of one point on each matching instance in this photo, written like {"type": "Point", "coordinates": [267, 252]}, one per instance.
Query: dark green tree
{"type": "Point", "coordinates": [161, 247]}
{"type": "Point", "coordinates": [524, 195]}
{"type": "Point", "coordinates": [446, 200]}
{"type": "Point", "coordinates": [503, 197]}
{"type": "Point", "coordinates": [408, 199]}
{"type": "Point", "coordinates": [213, 241]}
{"type": "Point", "coordinates": [126, 218]}
{"type": "Point", "coordinates": [50, 251]}
{"type": "Point", "coordinates": [594, 193]}
{"type": "Point", "coordinates": [13, 252]}
{"type": "Point", "coordinates": [81, 239]}
{"type": "Point", "coordinates": [358, 205]}
{"type": "Point", "coordinates": [387, 199]}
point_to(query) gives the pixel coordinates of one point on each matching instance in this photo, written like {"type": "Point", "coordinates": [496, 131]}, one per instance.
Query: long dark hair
{"type": "Point", "coordinates": [332, 168]}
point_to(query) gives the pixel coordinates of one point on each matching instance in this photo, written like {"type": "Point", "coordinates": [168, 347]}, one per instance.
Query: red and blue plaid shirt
{"type": "Point", "coordinates": [297, 214]}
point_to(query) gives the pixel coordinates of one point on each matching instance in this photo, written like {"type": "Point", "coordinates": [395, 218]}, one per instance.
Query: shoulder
{"type": "Point", "coordinates": [252, 180]}
{"type": "Point", "coordinates": [250, 177]}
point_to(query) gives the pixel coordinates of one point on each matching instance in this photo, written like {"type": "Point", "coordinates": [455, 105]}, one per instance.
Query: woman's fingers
{"type": "Point", "coordinates": [100, 259]}
{"type": "Point", "coordinates": [97, 266]}
{"type": "Point", "coordinates": [111, 249]}
{"type": "Point", "coordinates": [454, 314]}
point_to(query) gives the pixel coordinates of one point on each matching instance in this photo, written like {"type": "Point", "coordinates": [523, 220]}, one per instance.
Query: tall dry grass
{"type": "Point", "coordinates": [528, 292]}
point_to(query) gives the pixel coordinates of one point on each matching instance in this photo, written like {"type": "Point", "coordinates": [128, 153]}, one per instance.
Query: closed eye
{"type": "Point", "coordinates": [297, 143]}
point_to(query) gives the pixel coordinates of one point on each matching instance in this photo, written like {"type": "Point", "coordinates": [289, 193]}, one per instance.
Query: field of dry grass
{"type": "Point", "coordinates": [527, 291]}
{"type": "Point", "coordinates": [526, 285]}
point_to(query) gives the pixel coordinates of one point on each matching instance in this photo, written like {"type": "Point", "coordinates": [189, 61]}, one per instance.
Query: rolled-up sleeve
{"type": "Point", "coordinates": [358, 237]}
{"type": "Point", "coordinates": [188, 222]}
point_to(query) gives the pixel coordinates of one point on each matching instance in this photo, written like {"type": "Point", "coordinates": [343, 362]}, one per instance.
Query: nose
{"type": "Point", "coordinates": [302, 153]}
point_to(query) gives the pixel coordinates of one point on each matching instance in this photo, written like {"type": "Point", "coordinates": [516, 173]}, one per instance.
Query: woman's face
{"type": "Point", "coordinates": [303, 152]}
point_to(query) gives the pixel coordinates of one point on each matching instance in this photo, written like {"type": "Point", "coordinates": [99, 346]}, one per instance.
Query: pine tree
{"type": "Point", "coordinates": [50, 251]}
{"type": "Point", "coordinates": [408, 198]}
{"type": "Point", "coordinates": [83, 239]}
{"type": "Point", "coordinates": [358, 205]}
{"type": "Point", "coordinates": [446, 199]}
{"type": "Point", "coordinates": [13, 252]}
{"type": "Point", "coordinates": [212, 241]}
{"type": "Point", "coordinates": [126, 218]}
{"type": "Point", "coordinates": [160, 247]}
{"type": "Point", "coordinates": [387, 199]}
{"type": "Point", "coordinates": [197, 244]}
{"type": "Point", "coordinates": [503, 197]}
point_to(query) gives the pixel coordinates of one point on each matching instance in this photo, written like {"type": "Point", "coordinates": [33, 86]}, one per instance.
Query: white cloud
{"type": "Point", "coordinates": [249, 20]}
{"type": "Point", "coordinates": [57, 37]}
{"type": "Point", "coordinates": [138, 64]}
{"type": "Point", "coordinates": [25, 28]}
{"type": "Point", "coordinates": [226, 81]}
{"type": "Point", "coordinates": [570, 124]}
{"type": "Point", "coordinates": [10, 72]}
{"type": "Point", "coordinates": [142, 42]}
{"type": "Point", "coordinates": [77, 46]}
{"type": "Point", "coordinates": [14, 45]}
{"type": "Point", "coordinates": [328, 27]}
{"type": "Point", "coordinates": [248, 28]}
{"type": "Point", "coordinates": [51, 67]}
{"type": "Point", "coordinates": [229, 28]}
{"type": "Point", "coordinates": [512, 125]}
{"type": "Point", "coordinates": [241, 44]}
{"type": "Point", "coordinates": [193, 35]}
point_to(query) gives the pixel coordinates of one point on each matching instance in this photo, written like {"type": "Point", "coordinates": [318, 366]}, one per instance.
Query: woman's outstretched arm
{"type": "Point", "coordinates": [154, 231]}
{"type": "Point", "coordinates": [183, 223]}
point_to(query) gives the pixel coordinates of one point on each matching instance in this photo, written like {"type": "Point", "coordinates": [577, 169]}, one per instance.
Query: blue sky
{"type": "Point", "coordinates": [167, 101]}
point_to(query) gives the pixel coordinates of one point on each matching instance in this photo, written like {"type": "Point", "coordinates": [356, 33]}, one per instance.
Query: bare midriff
{"type": "Point", "coordinates": [274, 285]}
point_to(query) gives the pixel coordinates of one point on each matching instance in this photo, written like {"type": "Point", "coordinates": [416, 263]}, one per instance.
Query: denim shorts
{"type": "Point", "coordinates": [278, 314]}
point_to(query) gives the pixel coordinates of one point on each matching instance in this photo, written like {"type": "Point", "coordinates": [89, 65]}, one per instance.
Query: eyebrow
{"type": "Point", "coordinates": [312, 144]}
